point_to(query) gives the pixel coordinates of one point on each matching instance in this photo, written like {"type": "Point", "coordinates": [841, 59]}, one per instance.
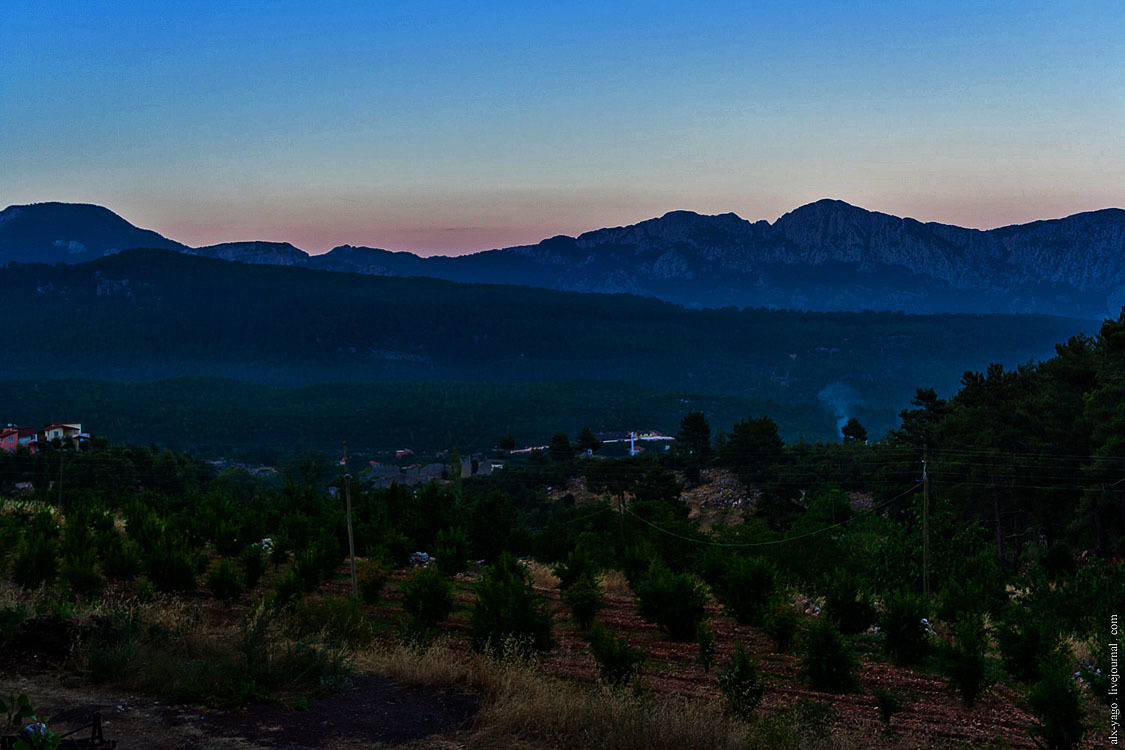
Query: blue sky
{"type": "Point", "coordinates": [441, 127]}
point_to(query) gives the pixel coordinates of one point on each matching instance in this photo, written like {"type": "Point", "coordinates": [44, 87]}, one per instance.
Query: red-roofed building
{"type": "Point", "coordinates": [9, 439]}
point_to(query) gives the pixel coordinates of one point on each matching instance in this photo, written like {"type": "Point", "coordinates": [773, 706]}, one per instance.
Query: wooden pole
{"type": "Point", "coordinates": [925, 522]}
{"type": "Point", "coordinates": [351, 539]}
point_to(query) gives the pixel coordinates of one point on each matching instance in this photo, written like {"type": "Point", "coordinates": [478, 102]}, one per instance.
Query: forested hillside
{"type": "Point", "coordinates": [149, 315]}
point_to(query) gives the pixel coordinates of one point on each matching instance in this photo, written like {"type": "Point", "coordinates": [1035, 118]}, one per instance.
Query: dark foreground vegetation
{"type": "Point", "coordinates": [820, 573]}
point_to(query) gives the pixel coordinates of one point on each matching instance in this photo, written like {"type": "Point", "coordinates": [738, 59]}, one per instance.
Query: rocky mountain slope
{"type": "Point", "coordinates": [828, 255]}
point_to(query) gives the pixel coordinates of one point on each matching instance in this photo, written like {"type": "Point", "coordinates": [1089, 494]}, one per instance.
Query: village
{"type": "Point", "coordinates": [13, 437]}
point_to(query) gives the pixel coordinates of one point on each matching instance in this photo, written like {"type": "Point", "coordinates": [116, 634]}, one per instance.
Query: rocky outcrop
{"type": "Point", "coordinates": [263, 253]}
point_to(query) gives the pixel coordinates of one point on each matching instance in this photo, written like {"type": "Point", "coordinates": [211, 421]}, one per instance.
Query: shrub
{"type": "Point", "coordinates": [451, 548]}
{"type": "Point", "coordinates": [11, 618]}
{"type": "Point", "coordinates": [36, 562]}
{"type": "Point", "coordinates": [170, 568]}
{"type": "Point", "coordinates": [121, 558]}
{"type": "Point", "coordinates": [847, 603]}
{"type": "Point", "coordinates": [508, 609]}
{"type": "Point", "coordinates": [1057, 705]}
{"type": "Point", "coordinates": [1097, 674]}
{"type": "Point", "coordinates": [675, 602]}
{"type": "Point", "coordinates": [705, 639]}
{"type": "Point", "coordinates": [584, 597]}
{"type": "Point", "coordinates": [223, 580]}
{"type": "Point", "coordinates": [804, 724]}
{"type": "Point", "coordinates": [252, 560]}
{"type": "Point", "coordinates": [905, 636]}
{"type": "Point", "coordinates": [889, 704]}
{"type": "Point", "coordinates": [81, 576]}
{"type": "Point", "coordinates": [746, 588]}
{"type": "Point", "coordinates": [338, 619]}
{"type": "Point", "coordinates": [781, 624]}
{"type": "Point", "coordinates": [965, 660]}
{"type": "Point", "coordinates": [1059, 561]}
{"type": "Point", "coordinates": [371, 578]}
{"type": "Point", "coordinates": [428, 597]}
{"type": "Point", "coordinates": [287, 588]}
{"type": "Point", "coordinates": [578, 565]}
{"type": "Point", "coordinates": [741, 683]}
{"type": "Point", "coordinates": [827, 662]}
{"type": "Point", "coordinates": [618, 662]}
{"type": "Point", "coordinates": [1026, 638]}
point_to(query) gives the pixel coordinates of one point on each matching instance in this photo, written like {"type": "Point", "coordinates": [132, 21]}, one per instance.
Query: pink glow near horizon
{"type": "Point", "coordinates": [347, 228]}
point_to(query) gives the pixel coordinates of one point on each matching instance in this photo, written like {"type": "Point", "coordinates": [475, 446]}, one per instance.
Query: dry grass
{"type": "Point", "coordinates": [523, 708]}
{"type": "Point", "coordinates": [541, 575]}
{"type": "Point", "coordinates": [615, 584]}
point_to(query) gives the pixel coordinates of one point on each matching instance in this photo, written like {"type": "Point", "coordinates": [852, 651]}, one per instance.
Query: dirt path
{"type": "Point", "coordinates": [373, 712]}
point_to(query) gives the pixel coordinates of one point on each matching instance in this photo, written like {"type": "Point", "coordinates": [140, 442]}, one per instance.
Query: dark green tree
{"type": "Point", "coordinates": [560, 448]}
{"type": "Point", "coordinates": [694, 437]}
{"type": "Point", "coordinates": [853, 431]}
{"type": "Point", "coordinates": [753, 449]}
{"type": "Point", "coordinates": [586, 442]}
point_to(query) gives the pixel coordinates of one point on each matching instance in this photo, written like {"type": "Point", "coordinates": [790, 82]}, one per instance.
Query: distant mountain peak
{"type": "Point", "coordinates": [825, 255]}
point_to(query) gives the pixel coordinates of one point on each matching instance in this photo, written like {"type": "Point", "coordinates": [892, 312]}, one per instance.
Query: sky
{"type": "Point", "coordinates": [456, 127]}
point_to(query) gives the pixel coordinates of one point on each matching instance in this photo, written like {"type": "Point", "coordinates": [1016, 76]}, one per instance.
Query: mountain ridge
{"type": "Point", "coordinates": [825, 255]}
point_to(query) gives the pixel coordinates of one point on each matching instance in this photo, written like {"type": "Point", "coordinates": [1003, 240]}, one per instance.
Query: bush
{"type": "Point", "coordinates": [781, 624]}
{"type": "Point", "coordinates": [705, 639]}
{"type": "Point", "coordinates": [223, 580]}
{"type": "Point", "coordinates": [428, 597]}
{"type": "Point", "coordinates": [674, 602]}
{"type": "Point", "coordinates": [371, 577]}
{"type": "Point", "coordinates": [889, 704]}
{"type": "Point", "coordinates": [584, 597]}
{"type": "Point", "coordinates": [1097, 674]}
{"type": "Point", "coordinates": [746, 589]}
{"type": "Point", "coordinates": [1026, 638]}
{"type": "Point", "coordinates": [451, 549]}
{"type": "Point", "coordinates": [1057, 705]}
{"type": "Point", "coordinates": [252, 560]}
{"type": "Point", "coordinates": [741, 683]}
{"type": "Point", "coordinates": [965, 660]}
{"type": "Point", "coordinates": [287, 588]}
{"type": "Point", "coordinates": [36, 562]}
{"type": "Point", "coordinates": [121, 558]}
{"type": "Point", "coordinates": [81, 576]}
{"type": "Point", "coordinates": [578, 565]}
{"type": "Point", "coordinates": [827, 662]}
{"type": "Point", "coordinates": [618, 662]}
{"type": "Point", "coordinates": [338, 619]}
{"type": "Point", "coordinates": [11, 619]}
{"type": "Point", "coordinates": [1059, 561]}
{"type": "Point", "coordinates": [905, 635]}
{"type": "Point", "coordinates": [508, 609]}
{"type": "Point", "coordinates": [847, 603]}
{"type": "Point", "coordinates": [170, 569]}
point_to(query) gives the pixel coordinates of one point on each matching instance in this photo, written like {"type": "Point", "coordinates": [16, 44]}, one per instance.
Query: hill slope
{"type": "Point", "coordinates": [144, 315]}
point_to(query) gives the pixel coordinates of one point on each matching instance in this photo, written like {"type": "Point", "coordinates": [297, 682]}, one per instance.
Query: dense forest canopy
{"type": "Point", "coordinates": [154, 315]}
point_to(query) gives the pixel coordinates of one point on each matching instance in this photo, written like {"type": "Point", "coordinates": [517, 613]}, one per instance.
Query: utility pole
{"type": "Point", "coordinates": [351, 539]}
{"type": "Point", "coordinates": [925, 522]}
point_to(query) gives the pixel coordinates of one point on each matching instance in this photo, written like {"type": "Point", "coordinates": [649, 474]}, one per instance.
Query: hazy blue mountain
{"type": "Point", "coordinates": [70, 233]}
{"type": "Point", "coordinates": [828, 255]}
